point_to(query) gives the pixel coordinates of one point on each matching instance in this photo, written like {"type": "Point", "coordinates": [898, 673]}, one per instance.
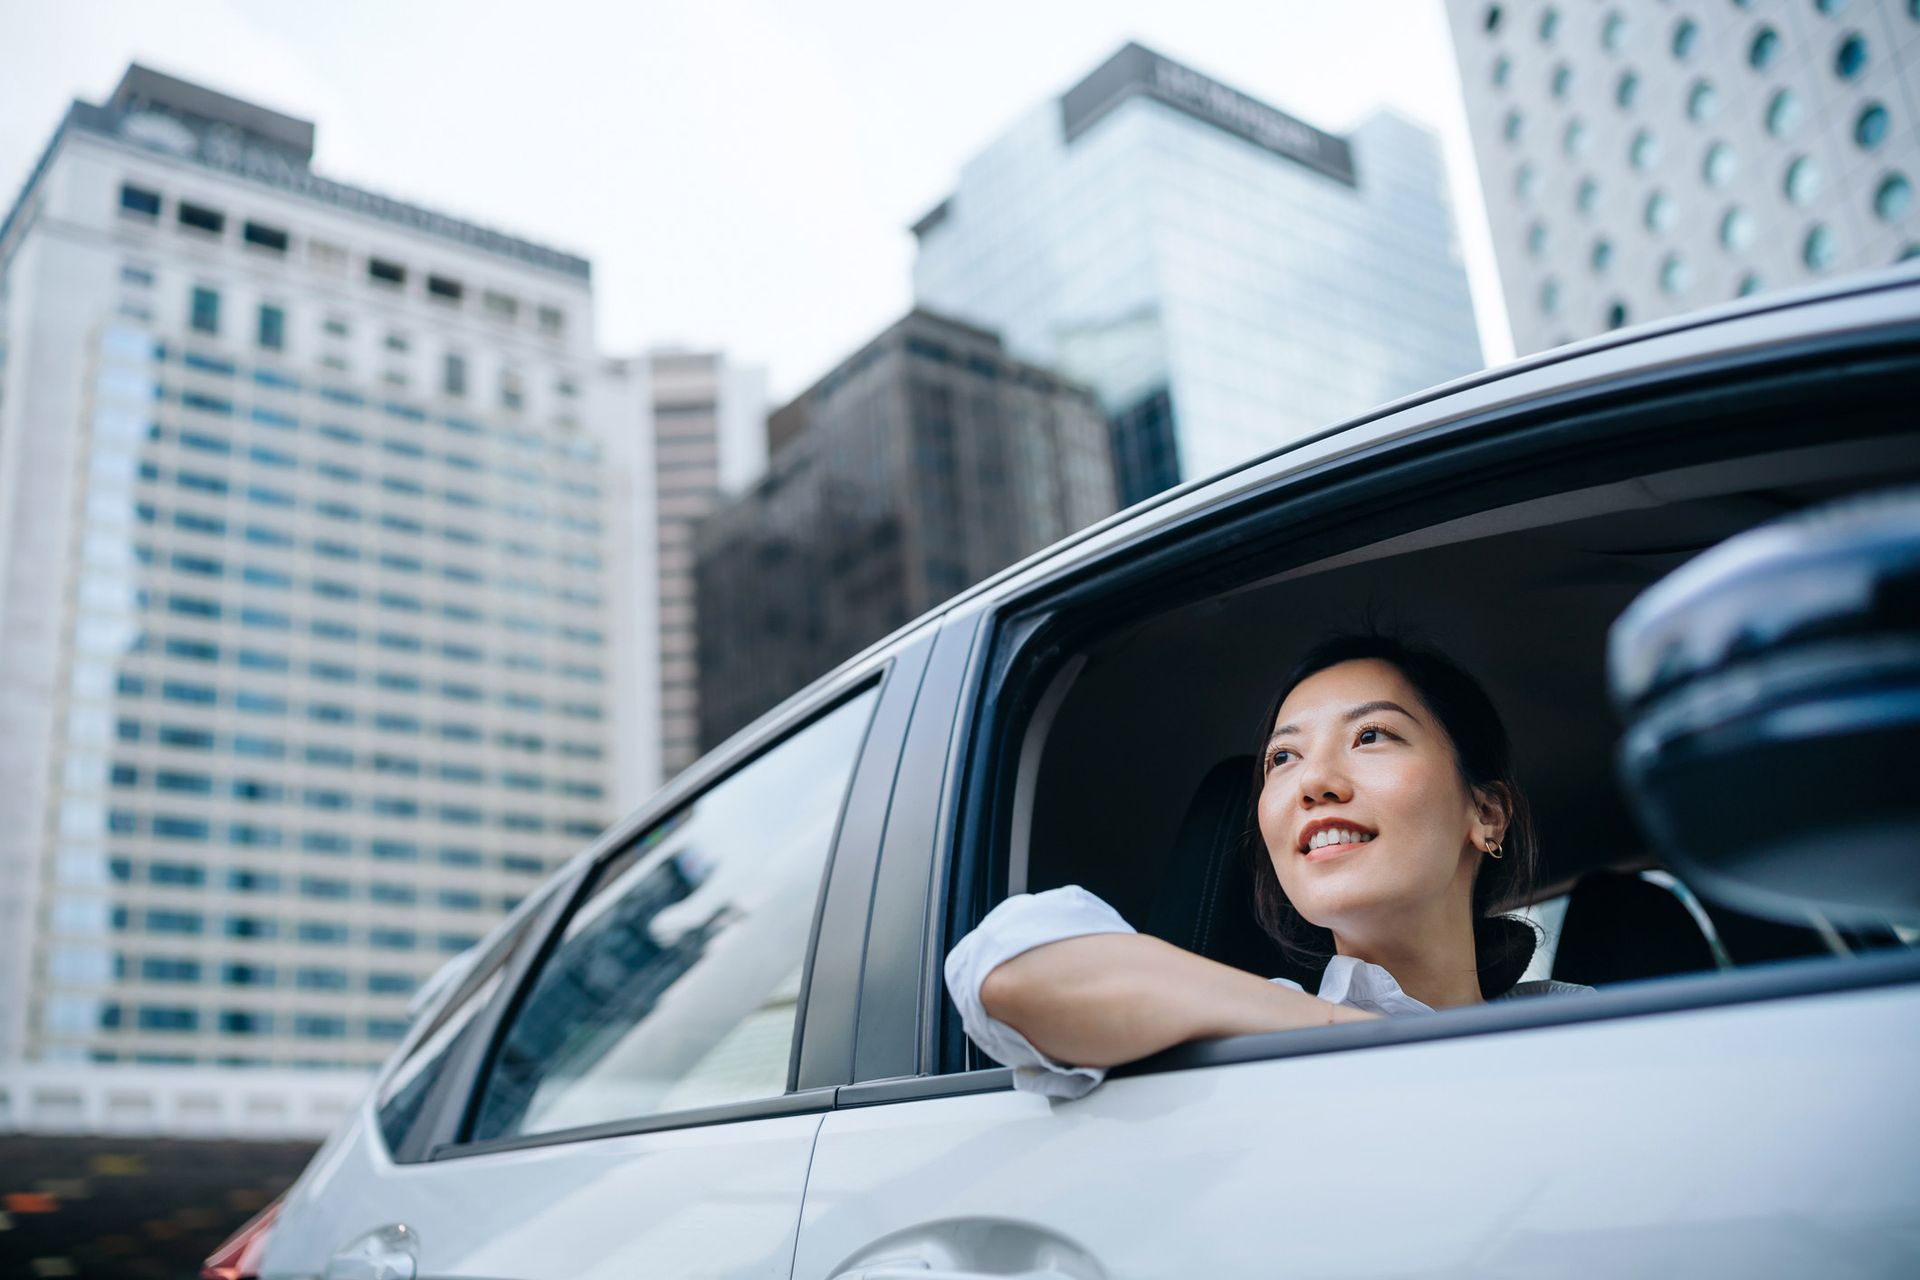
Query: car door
{"type": "Point", "coordinates": [637, 1090]}
{"type": "Point", "coordinates": [1753, 1123]}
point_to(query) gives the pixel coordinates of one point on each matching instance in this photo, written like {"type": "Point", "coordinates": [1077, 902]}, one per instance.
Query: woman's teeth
{"type": "Point", "coordinates": [1336, 835]}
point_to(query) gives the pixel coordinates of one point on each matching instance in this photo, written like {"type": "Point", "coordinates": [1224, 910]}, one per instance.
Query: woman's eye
{"type": "Point", "coordinates": [1278, 758]}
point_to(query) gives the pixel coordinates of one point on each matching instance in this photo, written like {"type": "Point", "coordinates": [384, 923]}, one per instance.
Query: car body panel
{"type": "Point", "coordinates": [1764, 1139]}
{"type": "Point", "coordinates": [718, 1200]}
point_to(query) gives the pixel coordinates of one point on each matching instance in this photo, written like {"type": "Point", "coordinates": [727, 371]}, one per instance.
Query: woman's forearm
{"type": "Point", "coordinates": [1108, 998]}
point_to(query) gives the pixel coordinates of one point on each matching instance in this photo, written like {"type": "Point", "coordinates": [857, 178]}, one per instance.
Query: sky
{"type": "Point", "coordinates": [742, 173]}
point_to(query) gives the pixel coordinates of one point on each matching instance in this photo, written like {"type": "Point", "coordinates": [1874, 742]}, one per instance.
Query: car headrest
{"type": "Point", "coordinates": [1205, 900]}
{"type": "Point", "coordinates": [1620, 927]}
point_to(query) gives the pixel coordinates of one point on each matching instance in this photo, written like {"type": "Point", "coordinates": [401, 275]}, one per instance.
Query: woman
{"type": "Point", "coordinates": [1390, 828]}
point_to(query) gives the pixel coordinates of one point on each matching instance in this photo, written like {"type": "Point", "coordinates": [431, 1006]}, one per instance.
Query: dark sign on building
{"type": "Point", "coordinates": [1139, 70]}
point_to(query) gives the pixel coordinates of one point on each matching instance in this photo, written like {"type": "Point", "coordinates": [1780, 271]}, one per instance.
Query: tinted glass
{"type": "Point", "coordinates": [405, 1092]}
{"type": "Point", "coordinates": [675, 982]}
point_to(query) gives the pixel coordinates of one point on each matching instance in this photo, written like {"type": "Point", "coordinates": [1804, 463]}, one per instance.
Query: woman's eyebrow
{"type": "Point", "coordinates": [1364, 709]}
{"type": "Point", "coordinates": [1369, 708]}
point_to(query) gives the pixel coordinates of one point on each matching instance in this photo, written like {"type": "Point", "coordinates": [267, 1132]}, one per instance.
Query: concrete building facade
{"type": "Point", "coordinates": [1226, 278]}
{"type": "Point", "coordinates": [921, 464]}
{"type": "Point", "coordinates": [307, 526]}
{"type": "Point", "coordinates": [1641, 160]}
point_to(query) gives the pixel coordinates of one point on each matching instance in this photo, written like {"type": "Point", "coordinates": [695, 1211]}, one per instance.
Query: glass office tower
{"type": "Point", "coordinates": [305, 533]}
{"type": "Point", "coordinates": [1227, 278]}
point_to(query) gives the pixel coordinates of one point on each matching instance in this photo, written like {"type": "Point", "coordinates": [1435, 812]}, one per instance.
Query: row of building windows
{"type": "Point", "coordinates": [203, 440]}
{"type": "Point", "coordinates": [203, 565]}
{"type": "Point", "coordinates": [201, 830]}
{"type": "Point", "coordinates": [260, 703]}
{"type": "Point", "coordinates": [123, 774]}
{"type": "Point", "coordinates": [195, 875]}
{"type": "Point", "coordinates": [187, 1018]}
{"type": "Point", "coordinates": [395, 482]}
{"type": "Point", "coordinates": [194, 738]}
{"type": "Point", "coordinates": [234, 973]}
{"type": "Point", "coordinates": [179, 922]}
{"type": "Point", "coordinates": [198, 521]}
{"type": "Point", "coordinates": [276, 381]}
{"type": "Point", "coordinates": [384, 273]}
{"type": "Point", "coordinates": [196, 649]}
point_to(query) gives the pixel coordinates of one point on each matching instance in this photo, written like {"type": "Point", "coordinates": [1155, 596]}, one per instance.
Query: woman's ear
{"type": "Point", "coordinates": [1493, 806]}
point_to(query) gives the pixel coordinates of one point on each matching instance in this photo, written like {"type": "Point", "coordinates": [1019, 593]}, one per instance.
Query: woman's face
{"type": "Point", "coordinates": [1366, 818]}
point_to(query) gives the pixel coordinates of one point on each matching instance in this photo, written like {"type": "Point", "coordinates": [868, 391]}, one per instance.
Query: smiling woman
{"type": "Point", "coordinates": [1387, 830]}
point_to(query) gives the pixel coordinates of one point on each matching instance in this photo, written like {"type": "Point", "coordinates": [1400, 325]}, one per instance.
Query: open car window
{"type": "Point", "coordinates": [1131, 767]}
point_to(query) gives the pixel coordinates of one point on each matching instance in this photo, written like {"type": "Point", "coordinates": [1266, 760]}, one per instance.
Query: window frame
{"type": "Point", "coordinates": [1595, 418]}
{"type": "Point", "coordinates": [821, 1053]}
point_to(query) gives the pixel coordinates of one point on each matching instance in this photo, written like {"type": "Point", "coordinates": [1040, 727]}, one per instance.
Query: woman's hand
{"type": "Point", "coordinates": [1108, 998]}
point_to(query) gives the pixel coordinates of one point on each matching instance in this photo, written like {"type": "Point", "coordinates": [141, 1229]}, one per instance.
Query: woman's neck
{"type": "Point", "coordinates": [1434, 964]}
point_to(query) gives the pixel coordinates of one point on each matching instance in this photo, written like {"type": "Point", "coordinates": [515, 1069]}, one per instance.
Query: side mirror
{"type": "Point", "coordinates": [1771, 694]}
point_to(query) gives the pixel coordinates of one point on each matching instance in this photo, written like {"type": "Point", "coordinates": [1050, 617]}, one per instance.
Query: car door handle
{"type": "Point", "coordinates": [390, 1253]}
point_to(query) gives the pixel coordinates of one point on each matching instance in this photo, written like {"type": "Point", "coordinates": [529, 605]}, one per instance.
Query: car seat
{"type": "Point", "coordinates": [1205, 898]}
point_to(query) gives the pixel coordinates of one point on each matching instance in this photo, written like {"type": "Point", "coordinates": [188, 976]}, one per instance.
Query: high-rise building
{"type": "Point", "coordinates": [1227, 278]}
{"type": "Point", "coordinates": [305, 526]}
{"type": "Point", "coordinates": [924, 462]}
{"type": "Point", "coordinates": [709, 440]}
{"type": "Point", "coordinates": [1641, 160]}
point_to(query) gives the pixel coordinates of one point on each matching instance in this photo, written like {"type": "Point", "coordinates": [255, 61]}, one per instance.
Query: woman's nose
{"type": "Point", "coordinates": [1324, 786]}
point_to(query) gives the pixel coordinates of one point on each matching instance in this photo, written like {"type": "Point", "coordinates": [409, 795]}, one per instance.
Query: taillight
{"type": "Point", "coordinates": [239, 1258]}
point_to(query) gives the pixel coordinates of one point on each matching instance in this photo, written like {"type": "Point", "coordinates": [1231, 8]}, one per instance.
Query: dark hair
{"type": "Point", "coordinates": [1503, 945]}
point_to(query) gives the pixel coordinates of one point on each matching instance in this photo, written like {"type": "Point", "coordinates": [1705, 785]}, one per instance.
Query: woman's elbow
{"type": "Point", "coordinates": [1002, 992]}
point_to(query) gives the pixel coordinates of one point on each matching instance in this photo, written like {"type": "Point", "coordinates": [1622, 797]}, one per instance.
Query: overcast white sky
{"type": "Point", "coordinates": [741, 172]}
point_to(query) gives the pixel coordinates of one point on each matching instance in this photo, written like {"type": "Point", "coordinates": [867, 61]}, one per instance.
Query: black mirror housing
{"type": "Point", "coordinates": [1770, 690]}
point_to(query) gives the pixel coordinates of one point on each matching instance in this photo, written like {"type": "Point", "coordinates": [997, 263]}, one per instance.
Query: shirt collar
{"type": "Point", "coordinates": [1361, 985]}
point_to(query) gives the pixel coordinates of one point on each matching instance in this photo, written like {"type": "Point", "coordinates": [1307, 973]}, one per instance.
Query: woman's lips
{"type": "Point", "coordinates": [1326, 852]}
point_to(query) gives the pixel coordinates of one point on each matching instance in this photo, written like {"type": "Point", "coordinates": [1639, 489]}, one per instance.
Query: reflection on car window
{"type": "Point", "coordinates": [675, 983]}
{"type": "Point", "coordinates": [405, 1092]}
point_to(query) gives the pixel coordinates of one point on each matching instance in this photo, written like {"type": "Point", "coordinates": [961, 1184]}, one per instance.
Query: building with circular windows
{"type": "Point", "coordinates": [1651, 159]}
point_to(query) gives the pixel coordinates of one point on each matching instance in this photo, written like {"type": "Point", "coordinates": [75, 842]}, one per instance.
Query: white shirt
{"type": "Point", "coordinates": [1030, 920]}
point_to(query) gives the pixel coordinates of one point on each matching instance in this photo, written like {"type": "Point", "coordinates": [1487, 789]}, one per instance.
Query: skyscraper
{"type": "Point", "coordinates": [1642, 160]}
{"type": "Point", "coordinates": [924, 462]}
{"type": "Point", "coordinates": [305, 526]}
{"type": "Point", "coordinates": [709, 438]}
{"type": "Point", "coordinates": [1227, 278]}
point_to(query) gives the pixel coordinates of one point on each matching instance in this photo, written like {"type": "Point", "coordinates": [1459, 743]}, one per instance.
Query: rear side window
{"type": "Point", "coordinates": [403, 1097]}
{"type": "Point", "coordinates": [675, 983]}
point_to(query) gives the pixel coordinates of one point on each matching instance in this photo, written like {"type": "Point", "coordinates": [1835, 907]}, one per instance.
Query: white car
{"type": "Point", "coordinates": [718, 1044]}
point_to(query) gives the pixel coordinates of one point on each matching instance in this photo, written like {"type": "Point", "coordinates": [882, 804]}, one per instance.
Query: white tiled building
{"type": "Point", "coordinates": [1642, 159]}
{"type": "Point", "coordinates": [309, 528]}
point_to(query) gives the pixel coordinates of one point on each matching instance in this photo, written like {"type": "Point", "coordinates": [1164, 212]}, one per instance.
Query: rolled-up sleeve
{"type": "Point", "coordinates": [1018, 925]}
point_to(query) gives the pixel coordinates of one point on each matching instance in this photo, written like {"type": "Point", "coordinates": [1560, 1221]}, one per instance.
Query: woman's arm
{"type": "Point", "coordinates": [1108, 998]}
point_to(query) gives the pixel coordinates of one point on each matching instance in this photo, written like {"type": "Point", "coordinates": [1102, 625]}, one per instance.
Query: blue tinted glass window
{"type": "Point", "coordinates": [247, 975]}
{"type": "Point", "coordinates": [324, 842]}
{"type": "Point", "coordinates": [181, 922]}
{"type": "Point", "coordinates": [169, 969]}
{"type": "Point", "coordinates": [203, 314]}
{"type": "Point", "coordinates": [256, 702]}
{"type": "Point", "coordinates": [390, 984]}
{"type": "Point", "coordinates": [325, 932]}
{"type": "Point", "coordinates": [155, 1018]}
{"type": "Point", "coordinates": [267, 536]}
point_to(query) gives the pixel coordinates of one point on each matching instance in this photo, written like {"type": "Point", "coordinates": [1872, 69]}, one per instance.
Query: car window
{"type": "Point", "coordinates": [675, 982]}
{"type": "Point", "coordinates": [404, 1093]}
